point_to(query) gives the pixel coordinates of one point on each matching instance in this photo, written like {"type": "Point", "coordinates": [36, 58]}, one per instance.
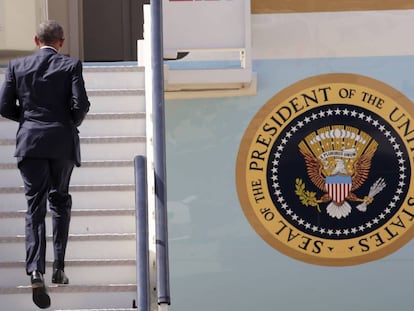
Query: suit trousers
{"type": "Point", "coordinates": [46, 180]}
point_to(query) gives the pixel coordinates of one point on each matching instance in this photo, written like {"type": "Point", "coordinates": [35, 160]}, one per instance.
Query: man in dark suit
{"type": "Point", "coordinates": [45, 94]}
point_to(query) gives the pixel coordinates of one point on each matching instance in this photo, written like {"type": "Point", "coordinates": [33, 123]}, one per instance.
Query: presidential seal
{"type": "Point", "coordinates": [324, 170]}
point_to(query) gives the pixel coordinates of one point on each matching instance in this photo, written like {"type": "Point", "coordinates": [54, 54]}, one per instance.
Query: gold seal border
{"type": "Point", "coordinates": [247, 140]}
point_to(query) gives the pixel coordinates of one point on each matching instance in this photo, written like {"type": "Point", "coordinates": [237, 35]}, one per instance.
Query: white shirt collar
{"type": "Point", "coordinates": [49, 47]}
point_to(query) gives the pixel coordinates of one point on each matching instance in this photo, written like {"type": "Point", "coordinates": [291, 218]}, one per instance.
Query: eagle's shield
{"type": "Point", "coordinates": [338, 187]}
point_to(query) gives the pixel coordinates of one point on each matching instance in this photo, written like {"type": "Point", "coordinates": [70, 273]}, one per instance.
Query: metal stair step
{"type": "Point", "coordinates": [80, 246]}
{"type": "Point", "coordinates": [106, 124]}
{"type": "Point", "coordinates": [115, 115]}
{"type": "Point", "coordinates": [110, 196]}
{"type": "Point", "coordinates": [89, 177]}
{"type": "Point", "coordinates": [74, 297]}
{"type": "Point", "coordinates": [74, 263]}
{"type": "Point", "coordinates": [93, 175]}
{"type": "Point", "coordinates": [110, 127]}
{"type": "Point", "coordinates": [8, 128]}
{"type": "Point", "coordinates": [130, 102]}
{"type": "Point", "coordinates": [98, 125]}
{"type": "Point", "coordinates": [93, 148]}
{"type": "Point", "coordinates": [79, 213]}
{"type": "Point", "coordinates": [83, 221]}
{"type": "Point", "coordinates": [113, 77]}
{"type": "Point", "coordinates": [116, 100]}
{"type": "Point", "coordinates": [88, 163]}
{"type": "Point", "coordinates": [101, 139]}
{"type": "Point", "coordinates": [71, 288]}
{"type": "Point", "coordinates": [95, 124]}
{"type": "Point", "coordinates": [112, 147]}
{"type": "Point", "coordinates": [84, 272]}
{"type": "Point", "coordinates": [130, 309]}
{"type": "Point", "coordinates": [79, 188]}
{"type": "Point", "coordinates": [77, 237]}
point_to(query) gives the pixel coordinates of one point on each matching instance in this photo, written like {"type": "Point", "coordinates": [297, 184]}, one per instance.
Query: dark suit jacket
{"type": "Point", "coordinates": [45, 93]}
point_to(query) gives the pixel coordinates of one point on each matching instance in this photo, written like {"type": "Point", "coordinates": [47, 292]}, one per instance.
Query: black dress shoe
{"type": "Point", "coordinates": [59, 277]}
{"type": "Point", "coordinates": [39, 290]}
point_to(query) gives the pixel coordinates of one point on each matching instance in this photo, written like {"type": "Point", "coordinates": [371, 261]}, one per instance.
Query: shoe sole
{"type": "Point", "coordinates": [40, 296]}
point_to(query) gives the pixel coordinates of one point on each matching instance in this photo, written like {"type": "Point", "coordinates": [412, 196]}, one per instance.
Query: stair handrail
{"type": "Point", "coordinates": [152, 46]}
{"type": "Point", "coordinates": [158, 114]}
{"type": "Point", "coordinates": [141, 204]}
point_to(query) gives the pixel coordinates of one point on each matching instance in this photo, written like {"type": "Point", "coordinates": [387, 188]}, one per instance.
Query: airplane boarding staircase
{"type": "Point", "coordinates": [101, 254]}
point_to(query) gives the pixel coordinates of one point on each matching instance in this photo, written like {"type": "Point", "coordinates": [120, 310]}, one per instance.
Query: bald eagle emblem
{"type": "Point", "coordinates": [338, 160]}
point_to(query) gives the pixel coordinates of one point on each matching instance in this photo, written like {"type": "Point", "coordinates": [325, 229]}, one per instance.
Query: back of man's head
{"type": "Point", "coordinates": [50, 32]}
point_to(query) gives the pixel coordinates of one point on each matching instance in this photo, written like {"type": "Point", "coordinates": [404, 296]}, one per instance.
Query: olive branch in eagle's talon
{"type": "Point", "coordinates": [306, 197]}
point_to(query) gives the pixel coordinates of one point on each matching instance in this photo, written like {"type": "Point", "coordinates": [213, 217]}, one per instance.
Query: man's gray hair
{"type": "Point", "coordinates": [50, 31]}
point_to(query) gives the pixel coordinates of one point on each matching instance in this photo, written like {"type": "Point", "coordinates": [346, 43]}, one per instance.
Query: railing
{"type": "Point", "coordinates": [151, 178]}
{"type": "Point", "coordinates": [158, 114]}
{"type": "Point", "coordinates": [141, 203]}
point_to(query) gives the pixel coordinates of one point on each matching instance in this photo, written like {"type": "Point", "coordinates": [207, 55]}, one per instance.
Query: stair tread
{"type": "Point", "coordinates": [130, 309]}
{"type": "Point", "coordinates": [89, 163]}
{"type": "Point", "coordinates": [76, 237]}
{"type": "Point", "coordinates": [80, 188]}
{"type": "Point", "coordinates": [52, 288]}
{"type": "Point", "coordinates": [114, 115]}
{"type": "Point", "coordinates": [78, 212]}
{"type": "Point", "coordinates": [113, 68]}
{"type": "Point", "coordinates": [91, 139]}
{"type": "Point", "coordinates": [117, 91]}
{"type": "Point", "coordinates": [74, 262]}
{"type": "Point", "coordinates": [104, 116]}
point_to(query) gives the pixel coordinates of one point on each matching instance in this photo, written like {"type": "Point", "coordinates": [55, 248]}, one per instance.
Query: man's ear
{"type": "Point", "coordinates": [36, 40]}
